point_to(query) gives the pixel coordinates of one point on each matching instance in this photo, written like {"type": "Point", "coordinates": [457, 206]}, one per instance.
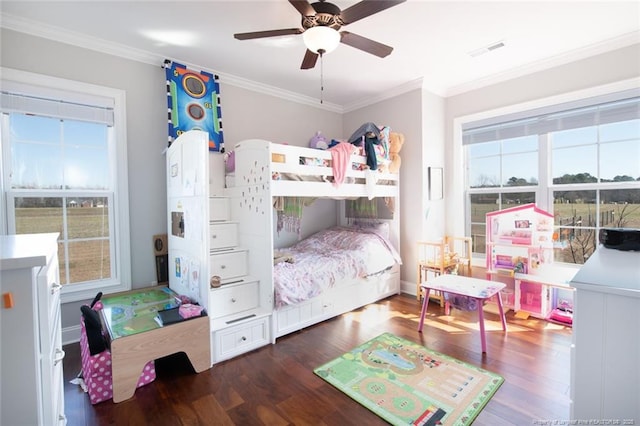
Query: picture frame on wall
{"type": "Point", "coordinates": [436, 183]}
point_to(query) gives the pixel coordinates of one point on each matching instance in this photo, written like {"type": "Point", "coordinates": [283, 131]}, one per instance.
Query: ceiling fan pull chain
{"type": "Point", "coordinates": [320, 52]}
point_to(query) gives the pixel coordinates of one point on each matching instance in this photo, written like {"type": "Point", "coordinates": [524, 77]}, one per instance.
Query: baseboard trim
{"type": "Point", "coordinates": [408, 287]}
{"type": "Point", "coordinates": [71, 334]}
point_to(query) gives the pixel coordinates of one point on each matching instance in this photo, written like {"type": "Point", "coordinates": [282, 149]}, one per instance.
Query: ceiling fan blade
{"type": "Point", "coordinates": [365, 44]}
{"type": "Point", "coordinates": [270, 33]}
{"type": "Point", "coordinates": [303, 7]}
{"type": "Point", "coordinates": [309, 60]}
{"type": "Point", "coordinates": [366, 8]}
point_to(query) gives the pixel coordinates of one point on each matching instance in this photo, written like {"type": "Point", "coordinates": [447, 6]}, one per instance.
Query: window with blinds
{"type": "Point", "coordinates": [61, 174]}
{"type": "Point", "coordinates": [579, 160]}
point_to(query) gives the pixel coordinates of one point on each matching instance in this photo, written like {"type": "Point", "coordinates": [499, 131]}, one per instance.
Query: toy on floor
{"type": "Point", "coordinates": [563, 313]}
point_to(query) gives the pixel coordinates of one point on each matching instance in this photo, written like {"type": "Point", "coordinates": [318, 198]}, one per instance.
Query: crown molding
{"type": "Point", "coordinates": [73, 38]}
{"type": "Point", "coordinates": [276, 92]}
{"type": "Point", "coordinates": [61, 35]}
{"type": "Point", "coordinates": [387, 94]}
{"type": "Point", "coordinates": [558, 60]}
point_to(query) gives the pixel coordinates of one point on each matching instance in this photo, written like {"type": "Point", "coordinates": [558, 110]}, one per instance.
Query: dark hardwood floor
{"type": "Point", "coordinates": [275, 385]}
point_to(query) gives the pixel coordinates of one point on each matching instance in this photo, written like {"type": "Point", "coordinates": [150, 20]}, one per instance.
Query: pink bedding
{"type": "Point", "coordinates": [328, 258]}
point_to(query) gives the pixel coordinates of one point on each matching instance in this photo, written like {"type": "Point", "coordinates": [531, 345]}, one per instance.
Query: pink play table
{"type": "Point", "coordinates": [475, 288]}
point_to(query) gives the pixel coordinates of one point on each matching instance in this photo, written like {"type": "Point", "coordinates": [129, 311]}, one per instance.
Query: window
{"type": "Point", "coordinates": [492, 170]}
{"type": "Point", "coordinates": [581, 163]}
{"type": "Point", "coordinates": [63, 148]}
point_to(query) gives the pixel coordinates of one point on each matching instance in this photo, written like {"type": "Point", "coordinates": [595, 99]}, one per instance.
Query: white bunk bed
{"type": "Point", "coordinates": [264, 171]}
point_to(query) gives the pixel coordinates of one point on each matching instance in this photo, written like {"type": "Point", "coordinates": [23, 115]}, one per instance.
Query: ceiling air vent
{"type": "Point", "coordinates": [487, 49]}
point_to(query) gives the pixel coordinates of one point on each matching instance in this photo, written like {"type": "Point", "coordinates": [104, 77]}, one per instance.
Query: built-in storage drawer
{"type": "Point", "coordinates": [223, 235]}
{"type": "Point", "coordinates": [219, 209]}
{"type": "Point", "coordinates": [235, 340]}
{"type": "Point", "coordinates": [52, 380]}
{"type": "Point", "coordinates": [228, 264]}
{"type": "Point", "coordinates": [52, 296]}
{"type": "Point", "coordinates": [295, 317]}
{"type": "Point", "coordinates": [231, 299]}
{"type": "Point", "coordinates": [51, 352]}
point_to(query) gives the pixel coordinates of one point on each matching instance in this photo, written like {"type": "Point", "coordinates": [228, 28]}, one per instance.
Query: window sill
{"type": "Point", "coordinates": [87, 291]}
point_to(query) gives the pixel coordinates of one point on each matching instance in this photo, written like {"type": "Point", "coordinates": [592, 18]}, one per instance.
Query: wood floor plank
{"type": "Point", "coordinates": [209, 411]}
{"type": "Point", "coordinates": [275, 385]}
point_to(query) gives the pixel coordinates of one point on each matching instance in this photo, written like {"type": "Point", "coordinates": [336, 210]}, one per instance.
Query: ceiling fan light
{"type": "Point", "coordinates": [321, 38]}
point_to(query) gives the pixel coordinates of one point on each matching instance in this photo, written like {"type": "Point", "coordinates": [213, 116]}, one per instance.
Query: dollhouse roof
{"type": "Point", "coordinates": [523, 207]}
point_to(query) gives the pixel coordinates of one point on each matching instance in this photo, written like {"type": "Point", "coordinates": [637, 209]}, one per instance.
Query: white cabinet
{"type": "Point", "coordinates": [223, 235]}
{"type": "Point", "coordinates": [31, 389]}
{"type": "Point", "coordinates": [237, 322]}
{"type": "Point", "coordinates": [234, 298]}
{"type": "Point", "coordinates": [204, 243]}
{"type": "Point", "coordinates": [238, 339]}
{"type": "Point", "coordinates": [228, 264]}
{"type": "Point", "coordinates": [219, 208]}
{"type": "Point", "coordinates": [605, 354]}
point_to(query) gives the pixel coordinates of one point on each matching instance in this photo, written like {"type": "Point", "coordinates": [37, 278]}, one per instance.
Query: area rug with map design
{"type": "Point", "coordinates": [408, 384]}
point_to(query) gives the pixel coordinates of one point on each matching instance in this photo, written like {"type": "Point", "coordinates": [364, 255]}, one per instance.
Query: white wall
{"type": "Point", "coordinates": [433, 155]}
{"type": "Point", "coordinates": [248, 114]}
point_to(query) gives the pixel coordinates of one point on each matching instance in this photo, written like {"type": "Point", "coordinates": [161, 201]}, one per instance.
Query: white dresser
{"type": "Point", "coordinates": [605, 355]}
{"type": "Point", "coordinates": [31, 389]}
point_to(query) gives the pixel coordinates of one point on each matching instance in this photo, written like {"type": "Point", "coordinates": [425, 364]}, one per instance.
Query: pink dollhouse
{"type": "Point", "coordinates": [520, 250]}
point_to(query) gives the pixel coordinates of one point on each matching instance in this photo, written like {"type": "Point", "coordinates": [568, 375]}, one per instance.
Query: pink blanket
{"type": "Point", "coordinates": [340, 159]}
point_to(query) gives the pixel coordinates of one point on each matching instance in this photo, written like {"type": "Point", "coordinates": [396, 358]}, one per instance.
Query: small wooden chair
{"type": "Point", "coordinates": [449, 255]}
{"type": "Point", "coordinates": [461, 246]}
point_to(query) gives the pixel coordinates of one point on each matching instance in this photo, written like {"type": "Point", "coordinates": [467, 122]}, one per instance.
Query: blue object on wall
{"type": "Point", "coordinates": [193, 102]}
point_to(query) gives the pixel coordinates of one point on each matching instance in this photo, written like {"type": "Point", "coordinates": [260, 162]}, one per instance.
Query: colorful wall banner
{"type": "Point", "coordinates": [193, 101]}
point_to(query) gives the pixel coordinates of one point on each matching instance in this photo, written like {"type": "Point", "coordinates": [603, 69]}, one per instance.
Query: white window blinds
{"type": "Point", "coordinates": [22, 98]}
{"type": "Point", "coordinates": [621, 106]}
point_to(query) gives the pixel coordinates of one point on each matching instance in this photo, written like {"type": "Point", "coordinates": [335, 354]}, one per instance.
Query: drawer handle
{"type": "Point", "coordinates": [59, 356]}
{"type": "Point", "coordinates": [214, 236]}
{"type": "Point", "coordinates": [222, 267]}
{"type": "Point", "coordinates": [55, 287]}
{"type": "Point", "coordinates": [244, 339]}
{"type": "Point", "coordinates": [233, 300]}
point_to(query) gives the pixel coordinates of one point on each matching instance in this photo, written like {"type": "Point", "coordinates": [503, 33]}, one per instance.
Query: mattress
{"type": "Point", "coordinates": [327, 259]}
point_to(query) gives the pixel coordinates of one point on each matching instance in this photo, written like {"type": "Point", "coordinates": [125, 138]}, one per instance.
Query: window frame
{"type": "Point", "coordinates": [118, 164]}
{"type": "Point", "coordinates": [545, 188]}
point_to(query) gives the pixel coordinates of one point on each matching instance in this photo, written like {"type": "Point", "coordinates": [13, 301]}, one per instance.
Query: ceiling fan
{"type": "Point", "coordinates": [320, 24]}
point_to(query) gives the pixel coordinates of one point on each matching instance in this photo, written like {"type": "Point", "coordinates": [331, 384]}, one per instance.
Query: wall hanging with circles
{"type": "Point", "coordinates": [193, 101]}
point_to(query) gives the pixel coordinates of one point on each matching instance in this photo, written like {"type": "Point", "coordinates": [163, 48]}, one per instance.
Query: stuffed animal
{"type": "Point", "coordinates": [396, 140]}
{"type": "Point", "coordinates": [318, 141]}
{"type": "Point", "coordinates": [230, 161]}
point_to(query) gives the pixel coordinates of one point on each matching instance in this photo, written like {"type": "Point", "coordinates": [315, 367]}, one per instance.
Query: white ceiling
{"type": "Point", "coordinates": [431, 39]}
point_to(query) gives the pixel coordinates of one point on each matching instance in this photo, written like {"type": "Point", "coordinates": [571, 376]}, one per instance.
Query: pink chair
{"type": "Point", "coordinates": [96, 369]}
